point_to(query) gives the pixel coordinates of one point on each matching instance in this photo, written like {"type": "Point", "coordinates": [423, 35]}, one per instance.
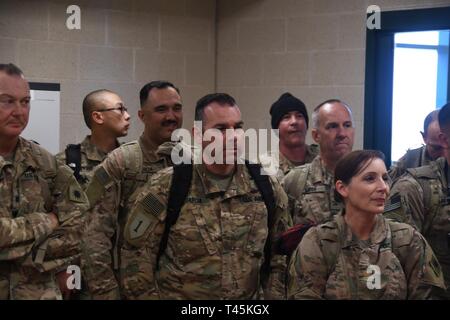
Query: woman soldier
{"type": "Point", "coordinates": [360, 254]}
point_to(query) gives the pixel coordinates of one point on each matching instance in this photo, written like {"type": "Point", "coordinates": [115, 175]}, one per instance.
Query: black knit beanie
{"type": "Point", "coordinates": [287, 103]}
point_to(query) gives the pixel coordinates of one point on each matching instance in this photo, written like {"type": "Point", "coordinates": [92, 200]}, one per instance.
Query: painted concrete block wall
{"type": "Point", "coordinates": [121, 46]}
{"type": "Point", "coordinates": [314, 49]}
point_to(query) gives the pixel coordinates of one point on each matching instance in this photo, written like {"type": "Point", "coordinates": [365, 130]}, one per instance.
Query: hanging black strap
{"type": "Point", "coordinates": [73, 159]}
{"type": "Point", "coordinates": [265, 187]}
{"type": "Point", "coordinates": [179, 189]}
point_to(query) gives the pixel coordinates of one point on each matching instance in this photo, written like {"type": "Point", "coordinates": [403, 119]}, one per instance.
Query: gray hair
{"type": "Point", "coordinates": [315, 114]}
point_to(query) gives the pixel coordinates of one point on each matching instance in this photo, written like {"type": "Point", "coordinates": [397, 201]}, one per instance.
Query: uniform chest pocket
{"type": "Point", "coordinates": [392, 276]}
{"type": "Point", "coordinates": [195, 235]}
{"type": "Point", "coordinates": [252, 227]}
{"type": "Point", "coordinates": [33, 191]}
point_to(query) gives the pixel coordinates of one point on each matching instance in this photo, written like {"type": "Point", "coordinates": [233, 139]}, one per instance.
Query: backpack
{"type": "Point", "coordinates": [179, 189]}
{"type": "Point", "coordinates": [433, 195]}
{"type": "Point", "coordinates": [73, 160]}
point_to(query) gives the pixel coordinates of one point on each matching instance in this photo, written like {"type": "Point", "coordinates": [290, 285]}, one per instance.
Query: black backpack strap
{"type": "Point", "coordinates": [265, 187]}
{"type": "Point", "coordinates": [73, 159]}
{"type": "Point", "coordinates": [179, 189]}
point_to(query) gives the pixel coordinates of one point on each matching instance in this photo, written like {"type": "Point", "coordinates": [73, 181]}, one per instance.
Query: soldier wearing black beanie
{"type": "Point", "coordinates": [285, 104]}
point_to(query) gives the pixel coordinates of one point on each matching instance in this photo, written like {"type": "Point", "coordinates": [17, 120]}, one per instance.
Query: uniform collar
{"type": "Point", "coordinates": [239, 185]}
{"type": "Point", "coordinates": [91, 151]}
{"type": "Point", "coordinates": [319, 173]}
{"type": "Point", "coordinates": [378, 235]}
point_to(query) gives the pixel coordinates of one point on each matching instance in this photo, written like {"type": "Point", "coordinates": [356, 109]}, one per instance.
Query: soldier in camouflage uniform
{"type": "Point", "coordinates": [290, 117]}
{"type": "Point", "coordinates": [33, 192]}
{"type": "Point", "coordinates": [122, 172]}
{"type": "Point", "coordinates": [310, 187]}
{"type": "Point", "coordinates": [420, 198]}
{"type": "Point", "coordinates": [215, 249]}
{"type": "Point", "coordinates": [360, 254]}
{"type": "Point", "coordinates": [106, 116]}
{"type": "Point", "coordinates": [424, 155]}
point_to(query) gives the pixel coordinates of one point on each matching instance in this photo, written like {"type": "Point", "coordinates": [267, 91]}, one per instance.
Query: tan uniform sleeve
{"type": "Point", "coordinates": [424, 275]}
{"type": "Point", "coordinates": [142, 234]}
{"type": "Point", "coordinates": [62, 247]}
{"type": "Point", "coordinates": [406, 202]}
{"type": "Point", "coordinates": [101, 227]}
{"type": "Point", "coordinates": [33, 227]}
{"type": "Point", "coordinates": [307, 271]}
{"type": "Point", "coordinates": [276, 284]}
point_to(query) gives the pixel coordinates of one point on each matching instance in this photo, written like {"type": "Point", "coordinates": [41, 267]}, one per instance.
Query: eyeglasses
{"type": "Point", "coordinates": [121, 108]}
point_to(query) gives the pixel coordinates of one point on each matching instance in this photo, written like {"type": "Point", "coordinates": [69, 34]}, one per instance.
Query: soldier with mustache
{"type": "Point", "coordinates": [41, 204]}
{"type": "Point", "coordinates": [115, 180]}
{"type": "Point", "coordinates": [310, 187]}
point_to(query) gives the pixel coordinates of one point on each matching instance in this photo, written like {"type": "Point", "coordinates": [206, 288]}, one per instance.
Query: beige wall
{"type": "Point", "coordinates": [121, 46]}
{"type": "Point", "coordinates": [313, 48]}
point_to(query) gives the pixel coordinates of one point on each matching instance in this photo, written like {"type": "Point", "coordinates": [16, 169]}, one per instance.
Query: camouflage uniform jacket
{"type": "Point", "coordinates": [331, 263]}
{"type": "Point", "coordinates": [420, 198]}
{"type": "Point", "coordinates": [310, 189]}
{"type": "Point", "coordinates": [111, 195]}
{"type": "Point", "coordinates": [91, 156]}
{"type": "Point", "coordinates": [215, 250]}
{"type": "Point", "coordinates": [31, 185]}
{"type": "Point", "coordinates": [413, 158]}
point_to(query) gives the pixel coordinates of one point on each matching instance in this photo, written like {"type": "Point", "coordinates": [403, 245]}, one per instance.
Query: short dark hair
{"type": "Point", "coordinates": [11, 69]}
{"type": "Point", "coordinates": [220, 98]}
{"type": "Point", "coordinates": [431, 117]}
{"type": "Point", "coordinates": [158, 84]}
{"type": "Point", "coordinates": [352, 164]}
{"type": "Point", "coordinates": [444, 117]}
{"type": "Point", "coordinates": [88, 103]}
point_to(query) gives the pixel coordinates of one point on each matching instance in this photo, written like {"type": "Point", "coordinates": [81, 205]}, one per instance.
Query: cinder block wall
{"type": "Point", "coordinates": [313, 48]}
{"type": "Point", "coordinates": [121, 45]}
{"type": "Point", "coordinates": [253, 49]}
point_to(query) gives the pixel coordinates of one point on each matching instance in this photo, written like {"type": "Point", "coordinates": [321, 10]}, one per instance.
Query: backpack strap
{"type": "Point", "coordinates": [179, 189]}
{"type": "Point", "coordinates": [73, 160]}
{"type": "Point", "coordinates": [265, 188]}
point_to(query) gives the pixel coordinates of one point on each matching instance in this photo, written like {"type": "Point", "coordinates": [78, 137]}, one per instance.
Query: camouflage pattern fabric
{"type": "Point", "coordinates": [215, 249]}
{"type": "Point", "coordinates": [30, 186]}
{"type": "Point", "coordinates": [310, 189]}
{"type": "Point", "coordinates": [91, 156]}
{"type": "Point", "coordinates": [420, 198]}
{"type": "Point", "coordinates": [411, 159]}
{"type": "Point", "coordinates": [111, 190]}
{"type": "Point", "coordinates": [331, 263]}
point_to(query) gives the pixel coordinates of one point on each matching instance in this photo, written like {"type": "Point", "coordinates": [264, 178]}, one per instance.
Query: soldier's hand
{"type": "Point", "coordinates": [62, 283]}
{"type": "Point", "coordinates": [54, 219]}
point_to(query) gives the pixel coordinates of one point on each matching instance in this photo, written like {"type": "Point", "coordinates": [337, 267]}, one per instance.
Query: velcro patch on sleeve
{"type": "Point", "coordinates": [138, 226]}
{"type": "Point", "coordinates": [152, 204]}
{"type": "Point", "coordinates": [393, 204]}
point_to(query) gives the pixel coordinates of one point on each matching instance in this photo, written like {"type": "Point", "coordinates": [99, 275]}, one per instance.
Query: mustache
{"type": "Point", "coordinates": [167, 123]}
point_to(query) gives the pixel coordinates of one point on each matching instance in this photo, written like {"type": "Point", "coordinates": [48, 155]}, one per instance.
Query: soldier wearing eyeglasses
{"type": "Point", "coordinates": [106, 116]}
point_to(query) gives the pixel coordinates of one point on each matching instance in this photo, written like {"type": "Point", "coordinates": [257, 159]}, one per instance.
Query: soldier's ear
{"type": "Point", "coordinates": [342, 189]}
{"type": "Point", "coordinates": [423, 136]}
{"type": "Point", "coordinates": [97, 117]}
{"type": "Point", "coordinates": [315, 135]}
{"type": "Point", "coordinates": [141, 114]}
